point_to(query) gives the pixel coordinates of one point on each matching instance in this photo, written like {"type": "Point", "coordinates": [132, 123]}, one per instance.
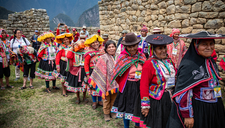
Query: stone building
{"type": "Point", "coordinates": [28, 21]}
{"type": "Point", "coordinates": [190, 16]}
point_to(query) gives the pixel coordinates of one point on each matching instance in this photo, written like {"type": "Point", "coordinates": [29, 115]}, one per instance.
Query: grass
{"type": "Point", "coordinates": [34, 108]}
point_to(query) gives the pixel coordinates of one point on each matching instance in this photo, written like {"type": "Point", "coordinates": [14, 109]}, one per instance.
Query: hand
{"type": "Point", "coordinates": [88, 77]}
{"type": "Point", "coordinates": [58, 70]}
{"type": "Point", "coordinates": [145, 111]}
{"type": "Point", "coordinates": [34, 40]}
{"type": "Point", "coordinates": [58, 25]}
{"type": "Point", "coordinates": [189, 122]}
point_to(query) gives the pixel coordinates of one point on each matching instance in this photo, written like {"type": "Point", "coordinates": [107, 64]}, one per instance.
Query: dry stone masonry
{"type": "Point", "coordinates": [28, 21]}
{"type": "Point", "coordinates": [190, 16]}
{"type": "Point", "coordinates": [91, 30]}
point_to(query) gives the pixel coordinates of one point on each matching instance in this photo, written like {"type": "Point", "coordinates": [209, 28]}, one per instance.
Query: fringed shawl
{"type": "Point", "coordinates": [100, 77]}
{"type": "Point", "coordinates": [124, 62]}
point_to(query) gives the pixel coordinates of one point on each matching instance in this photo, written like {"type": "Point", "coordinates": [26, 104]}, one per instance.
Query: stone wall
{"type": "Point", "coordinates": [190, 16]}
{"type": "Point", "coordinates": [28, 21]}
{"type": "Point", "coordinates": [91, 30]}
{"type": "Point", "coordinates": [3, 23]}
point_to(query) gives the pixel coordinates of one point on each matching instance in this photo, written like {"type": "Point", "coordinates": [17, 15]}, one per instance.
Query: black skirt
{"type": "Point", "coordinates": [158, 113]}
{"type": "Point", "coordinates": [124, 103]}
{"type": "Point", "coordinates": [45, 70]}
{"type": "Point", "coordinates": [63, 65]}
{"type": "Point", "coordinates": [206, 115]}
{"type": "Point", "coordinates": [209, 115]}
{"type": "Point", "coordinates": [73, 84]}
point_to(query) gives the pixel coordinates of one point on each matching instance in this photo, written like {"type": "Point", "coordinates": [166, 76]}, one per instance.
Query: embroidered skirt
{"type": "Point", "coordinates": [45, 70]}
{"type": "Point", "coordinates": [125, 102]}
{"type": "Point", "coordinates": [158, 113]}
{"type": "Point", "coordinates": [74, 83]}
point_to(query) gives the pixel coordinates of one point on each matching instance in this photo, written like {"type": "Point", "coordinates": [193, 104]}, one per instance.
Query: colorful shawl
{"type": "Point", "coordinates": [222, 63]}
{"type": "Point", "coordinates": [100, 77]}
{"type": "Point", "coordinates": [124, 62]}
{"type": "Point", "coordinates": [3, 55]}
{"type": "Point", "coordinates": [92, 52]}
{"type": "Point", "coordinates": [44, 46]}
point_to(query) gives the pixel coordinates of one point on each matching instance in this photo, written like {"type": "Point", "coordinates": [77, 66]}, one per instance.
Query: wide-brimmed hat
{"type": "Point", "coordinates": [79, 45]}
{"type": "Point", "coordinates": [105, 36]}
{"type": "Point", "coordinates": [156, 30]}
{"type": "Point", "coordinates": [59, 38]}
{"type": "Point", "coordinates": [131, 39]}
{"type": "Point", "coordinates": [159, 39]}
{"type": "Point", "coordinates": [45, 35]}
{"type": "Point", "coordinates": [203, 35]}
{"type": "Point", "coordinates": [92, 39]}
{"type": "Point", "coordinates": [84, 27]}
{"type": "Point", "coordinates": [124, 31]}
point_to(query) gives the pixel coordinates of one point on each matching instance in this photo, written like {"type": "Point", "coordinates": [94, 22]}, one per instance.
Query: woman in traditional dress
{"type": "Point", "coordinates": [4, 59]}
{"type": "Point", "coordinates": [127, 73]}
{"type": "Point", "coordinates": [61, 57]}
{"type": "Point", "coordinates": [46, 56]}
{"type": "Point", "coordinates": [100, 78]}
{"type": "Point", "coordinates": [152, 108]}
{"type": "Point", "coordinates": [94, 50]}
{"type": "Point", "coordinates": [177, 49]}
{"type": "Point", "coordinates": [76, 73]}
{"type": "Point", "coordinates": [197, 96]}
{"type": "Point", "coordinates": [27, 57]}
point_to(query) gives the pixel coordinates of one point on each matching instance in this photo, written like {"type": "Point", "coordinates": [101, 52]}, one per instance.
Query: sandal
{"type": "Point", "coordinates": [77, 101]}
{"type": "Point", "coordinates": [56, 88]}
{"type": "Point", "coordinates": [48, 90]}
{"type": "Point", "coordinates": [101, 104]}
{"type": "Point", "coordinates": [85, 100]}
{"type": "Point", "coordinates": [94, 106]}
{"type": "Point", "coordinates": [9, 86]}
{"type": "Point", "coordinates": [2, 88]}
{"type": "Point", "coordinates": [31, 87]}
{"type": "Point", "coordinates": [22, 88]}
{"type": "Point", "coordinates": [65, 95]}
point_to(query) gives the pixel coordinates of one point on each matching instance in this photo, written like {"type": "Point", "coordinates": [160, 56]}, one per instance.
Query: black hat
{"type": "Point", "coordinates": [131, 39]}
{"type": "Point", "coordinates": [159, 39]}
{"type": "Point", "coordinates": [203, 35]}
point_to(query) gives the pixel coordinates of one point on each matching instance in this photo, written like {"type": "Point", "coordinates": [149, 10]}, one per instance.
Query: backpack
{"type": "Point", "coordinates": [14, 41]}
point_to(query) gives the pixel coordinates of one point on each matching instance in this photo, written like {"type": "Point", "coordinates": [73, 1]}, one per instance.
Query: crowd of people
{"type": "Point", "coordinates": [152, 79]}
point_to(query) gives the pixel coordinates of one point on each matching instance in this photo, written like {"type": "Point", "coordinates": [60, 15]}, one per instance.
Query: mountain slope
{"type": "Point", "coordinates": [72, 8]}
{"type": "Point", "coordinates": [61, 18]}
{"type": "Point", "coordinates": [89, 17]}
{"type": "Point", "coordinates": [4, 13]}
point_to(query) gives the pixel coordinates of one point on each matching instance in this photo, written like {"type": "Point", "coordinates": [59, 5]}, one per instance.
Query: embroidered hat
{"type": "Point", "coordinates": [79, 45]}
{"type": "Point", "coordinates": [156, 30]}
{"type": "Point", "coordinates": [203, 35]}
{"type": "Point", "coordinates": [59, 38]}
{"type": "Point", "coordinates": [45, 35]}
{"type": "Point", "coordinates": [159, 39]}
{"type": "Point", "coordinates": [131, 39]}
{"type": "Point", "coordinates": [144, 28]}
{"type": "Point", "coordinates": [92, 39]}
{"type": "Point", "coordinates": [175, 30]}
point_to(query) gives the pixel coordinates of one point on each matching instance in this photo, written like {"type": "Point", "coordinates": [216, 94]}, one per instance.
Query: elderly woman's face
{"type": "Point", "coordinates": [161, 51]}
{"type": "Point", "coordinates": [66, 41]}
{"type": "Point", "coordinates": [132, 49]}
{"type": "Point", "coordinates": [206, 47]}
{"type": "Point", "coordinates": [111, 49]}
{"type": "Point", "coordinates": [176, 36]}
{"type": "Point", "coordinates": [95, 45]}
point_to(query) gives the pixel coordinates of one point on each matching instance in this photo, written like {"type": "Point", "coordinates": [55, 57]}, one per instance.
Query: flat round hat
{"type": "Point", "coordinates": [159, 39]}
{"type": "Point", "coordinates": [202, 35]}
